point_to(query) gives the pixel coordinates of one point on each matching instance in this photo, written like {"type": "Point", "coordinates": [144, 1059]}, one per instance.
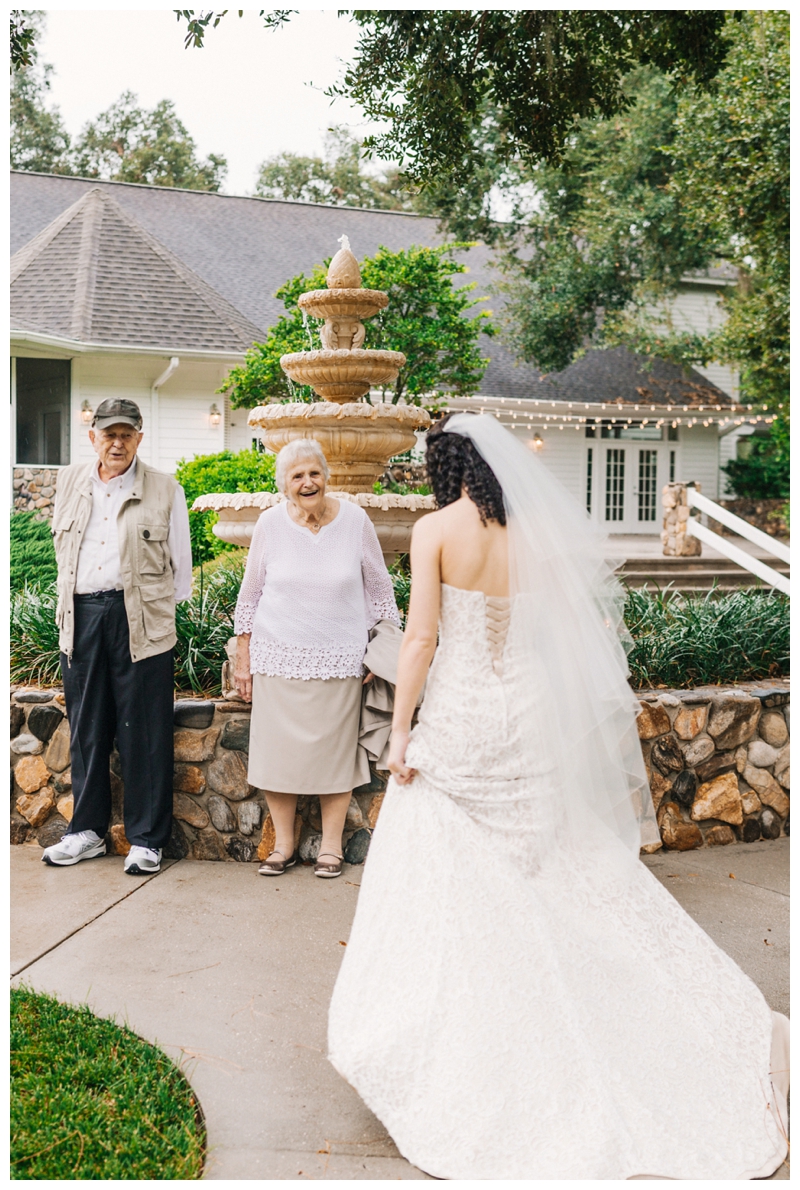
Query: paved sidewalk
{"type": "Point", "coordinates": [231, 974]}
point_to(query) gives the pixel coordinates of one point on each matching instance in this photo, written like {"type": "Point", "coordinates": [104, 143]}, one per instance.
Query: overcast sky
{"type": "Point", "coordinates": [245, 95]}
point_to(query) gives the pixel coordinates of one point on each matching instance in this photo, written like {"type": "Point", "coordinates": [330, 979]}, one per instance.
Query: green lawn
{"type": "Point", "coordinates": [91, 1100]}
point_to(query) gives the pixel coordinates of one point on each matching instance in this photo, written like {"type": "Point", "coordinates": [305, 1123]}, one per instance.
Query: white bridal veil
{"type": "Point", "coordinates": [572, 625]}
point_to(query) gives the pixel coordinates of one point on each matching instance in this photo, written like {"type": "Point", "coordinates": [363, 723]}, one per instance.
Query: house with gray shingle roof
{"type": "Point", "coordinates": [154, 293]}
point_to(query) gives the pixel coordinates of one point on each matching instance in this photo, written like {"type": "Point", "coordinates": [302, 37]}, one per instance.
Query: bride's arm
{"type": "Point", "coordinates": [419, 641]}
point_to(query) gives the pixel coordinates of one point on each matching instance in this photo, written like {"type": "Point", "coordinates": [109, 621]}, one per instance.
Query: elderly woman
{"type": "Point", "coordinates": [314, 586]}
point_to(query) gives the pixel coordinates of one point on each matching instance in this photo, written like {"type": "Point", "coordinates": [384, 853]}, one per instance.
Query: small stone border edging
{"type": "Point", "coordinates": [717, 759]}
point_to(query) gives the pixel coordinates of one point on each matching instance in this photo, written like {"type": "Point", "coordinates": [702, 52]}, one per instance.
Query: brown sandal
{"type": "Point", "coordinates": [271, 867]}
{"type": "Point", "coordinates": [328, 871]}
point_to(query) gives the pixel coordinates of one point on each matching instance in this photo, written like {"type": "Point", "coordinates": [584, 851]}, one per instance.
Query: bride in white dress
{"type": "Point", "coordinates": [520, 997]}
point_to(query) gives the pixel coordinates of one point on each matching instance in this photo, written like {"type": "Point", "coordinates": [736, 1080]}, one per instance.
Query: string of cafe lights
{"type": "Point", "coordinates": [521, 416]}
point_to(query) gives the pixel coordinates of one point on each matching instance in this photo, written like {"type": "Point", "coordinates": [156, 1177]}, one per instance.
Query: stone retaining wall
{"type": "Point", "coordinates": [216, 814]}
{"type": "Point", "coordinates": [718, 763]}
{"type": "Point", "coordinates": [717, 758]}
{"type": "Point", "coordinates": [35, 490]}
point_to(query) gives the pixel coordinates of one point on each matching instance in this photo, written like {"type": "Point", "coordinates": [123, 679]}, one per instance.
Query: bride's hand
{"type": "Point", "coordinates": [402, 774]}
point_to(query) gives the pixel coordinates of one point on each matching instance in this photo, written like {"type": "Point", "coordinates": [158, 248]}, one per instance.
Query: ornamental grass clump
{"type": "Point", "coordinates": [34, 635]}
{"type": "Point", "coordinates": [678, 640]}
{"type": "Point", "coordinates": [684, 641]}
{"type": "Point", "coordinates": [31, 550]}
{"type": "Point", "coordinates": [204, 624]}
{"type": "Point", "coordinates": [92, 1101]}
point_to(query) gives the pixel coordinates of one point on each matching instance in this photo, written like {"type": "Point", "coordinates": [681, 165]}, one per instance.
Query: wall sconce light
{"type": "Point", "coordinates": [536, 443]}
{"type": "Point", "coordinates": [87, 413]}
{"type": "Point", "coordinates": [214, 416]}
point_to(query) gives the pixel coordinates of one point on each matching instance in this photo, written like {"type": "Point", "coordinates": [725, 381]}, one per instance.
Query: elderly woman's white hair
{"type": "Point", "coordinates": [293, 452]}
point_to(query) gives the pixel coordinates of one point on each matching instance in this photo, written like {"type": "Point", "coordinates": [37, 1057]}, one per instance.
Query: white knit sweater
{"type": "Point", "coordinates": [308, 599]}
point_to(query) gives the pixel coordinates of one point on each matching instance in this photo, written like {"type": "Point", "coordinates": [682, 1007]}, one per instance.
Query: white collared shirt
{"type": "Point", "coordinates": [98, 559]}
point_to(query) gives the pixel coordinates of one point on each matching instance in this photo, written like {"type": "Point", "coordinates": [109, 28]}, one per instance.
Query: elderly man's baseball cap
{"type": "Point", "coordinates": [116, 410]}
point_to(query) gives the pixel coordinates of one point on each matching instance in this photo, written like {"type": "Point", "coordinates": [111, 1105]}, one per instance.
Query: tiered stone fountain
{"type": "Point", "coordinates": [357, 438]}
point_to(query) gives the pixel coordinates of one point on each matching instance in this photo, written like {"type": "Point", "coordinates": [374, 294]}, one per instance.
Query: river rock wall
{"type": "Point", "coordinates": [717, 760]}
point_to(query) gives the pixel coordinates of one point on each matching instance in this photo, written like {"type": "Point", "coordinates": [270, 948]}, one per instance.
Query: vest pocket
{"type": "Point", "coordinates": [151, 546]}
{"type": "Point", "coordinates": [158, 608]}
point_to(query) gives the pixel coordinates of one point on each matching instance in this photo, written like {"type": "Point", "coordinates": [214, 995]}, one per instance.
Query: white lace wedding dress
{"type": "Point", "coordinates": [507, 1006]}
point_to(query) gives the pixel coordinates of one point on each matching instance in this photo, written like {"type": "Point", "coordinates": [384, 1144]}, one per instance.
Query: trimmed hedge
{"type": "Point", "coordinates": [247, 471]}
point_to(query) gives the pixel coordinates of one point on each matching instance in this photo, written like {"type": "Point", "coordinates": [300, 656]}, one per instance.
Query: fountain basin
{"type": "Point", "coordinates": [343, 303]}
{"type": "Point", "coordinates": [393, 516]}
{"type": "Point", "coordinates": [345, 374]}
{"type": "Point", "coordinates": [357, 439]}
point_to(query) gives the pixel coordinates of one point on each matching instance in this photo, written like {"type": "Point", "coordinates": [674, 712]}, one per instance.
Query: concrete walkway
{"type": "Point", "coordinates": [232, 974]}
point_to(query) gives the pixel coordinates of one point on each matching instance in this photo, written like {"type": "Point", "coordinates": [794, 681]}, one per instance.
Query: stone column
{"type": "Point", "coordinates": [675, 541]}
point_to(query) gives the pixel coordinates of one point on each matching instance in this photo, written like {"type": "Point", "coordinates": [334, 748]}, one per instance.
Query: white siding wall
{"type": "Point", "coordinates": [564, 452]}
{"type": "Point", "coordinates": [238, 435]}
{"type": "Point", "coordinates": [699, 458]}
{"type": "Point", "coordinates": [698, 308]}
{"type": "Point", "coordinates": [184, 404]}
{"type": "Point", "coordinates": [727, 451]}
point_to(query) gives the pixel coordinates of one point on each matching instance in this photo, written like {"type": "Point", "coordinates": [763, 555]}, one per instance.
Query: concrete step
{"type": "Point", "coordinates": [692, 575]}
{"type": "Point", "coordinates": [692, 581]}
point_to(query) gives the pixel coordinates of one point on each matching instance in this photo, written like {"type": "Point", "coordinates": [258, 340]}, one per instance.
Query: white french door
{"type": "Point", "coordinates": [623, 484]}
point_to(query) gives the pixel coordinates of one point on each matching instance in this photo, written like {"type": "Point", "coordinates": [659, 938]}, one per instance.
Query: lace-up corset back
{"type": "Point", "coordinates": [477, 690]}
{"type": "Point", "coordinates": [475, 633]}
{"type": "Point", "coordinates": [498, 618]}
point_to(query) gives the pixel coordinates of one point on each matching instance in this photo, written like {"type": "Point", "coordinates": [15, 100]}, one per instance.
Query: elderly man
{"type": "Point", "coordinates": [121, 535]}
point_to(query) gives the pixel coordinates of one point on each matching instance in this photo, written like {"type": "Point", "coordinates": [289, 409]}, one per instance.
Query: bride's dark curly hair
{"type": "Point", "coordinates": [453, 463]}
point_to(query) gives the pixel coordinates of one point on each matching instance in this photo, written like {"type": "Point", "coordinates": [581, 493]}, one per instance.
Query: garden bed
{"type": "Point", "coordinates": [677, 641]}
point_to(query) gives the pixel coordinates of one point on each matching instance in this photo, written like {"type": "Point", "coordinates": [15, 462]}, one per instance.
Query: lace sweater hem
{"type": "Point", "coordinates": [276, 660]}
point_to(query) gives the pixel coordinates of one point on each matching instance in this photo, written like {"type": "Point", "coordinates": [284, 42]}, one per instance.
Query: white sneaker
{"type": "Point", "coordinates": [142, 861]}
{"type": "Point", "coordinates": [73, 848]}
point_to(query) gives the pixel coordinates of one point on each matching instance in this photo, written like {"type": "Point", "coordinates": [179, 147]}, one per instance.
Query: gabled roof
{"type": "Point", "coordinates": [95, 275]}
{"type": "Point", "coordinates": [215, 262]}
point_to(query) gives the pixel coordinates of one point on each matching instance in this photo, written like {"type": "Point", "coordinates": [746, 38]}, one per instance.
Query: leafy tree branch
{"type": "Point", "coordinates": [430, 320]}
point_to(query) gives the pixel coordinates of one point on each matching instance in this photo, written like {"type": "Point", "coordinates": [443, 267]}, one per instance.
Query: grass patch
{"type": "Point", "coordinates": [91, 1100]}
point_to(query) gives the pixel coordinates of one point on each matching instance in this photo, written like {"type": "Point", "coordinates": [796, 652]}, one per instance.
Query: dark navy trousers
{"type": "Point", "coordinates": [110, 696]}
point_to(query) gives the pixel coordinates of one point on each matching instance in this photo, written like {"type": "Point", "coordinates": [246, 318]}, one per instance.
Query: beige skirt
{"type": "Point", "coordinates": [304, 734]}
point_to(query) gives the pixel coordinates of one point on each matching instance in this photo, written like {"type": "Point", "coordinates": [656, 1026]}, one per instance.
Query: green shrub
{"type": "Point", "coordinates": [685, 641]}
{"type": "Point", "coordinates": [678, 640]}
{"type": "Point", "coordinates": [247, 471]}
{"type": "Point", "coordinates": [33, 558]}
{"type": "Point", "coordinates": [34, 635]}
{"type": "Point", "coordinates": [92, 1101]}
{"type": "Point", "coordinates": [763, 474]}
{"type": "Point", "coordinates": [204, 624]}
{"type": "Point", "coordinates": [400, 575]}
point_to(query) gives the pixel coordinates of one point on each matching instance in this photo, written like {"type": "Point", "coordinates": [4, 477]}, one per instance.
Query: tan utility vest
{"type": "Point", "coordinates": [145, 563]}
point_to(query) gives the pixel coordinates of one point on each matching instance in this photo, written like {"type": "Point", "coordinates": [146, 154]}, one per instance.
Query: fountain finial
{"type": "Point", "coordinates": [343, 271]}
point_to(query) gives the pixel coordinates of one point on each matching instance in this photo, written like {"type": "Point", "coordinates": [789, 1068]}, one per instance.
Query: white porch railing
{"type": "Point", "coordinates": [694, 528]}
